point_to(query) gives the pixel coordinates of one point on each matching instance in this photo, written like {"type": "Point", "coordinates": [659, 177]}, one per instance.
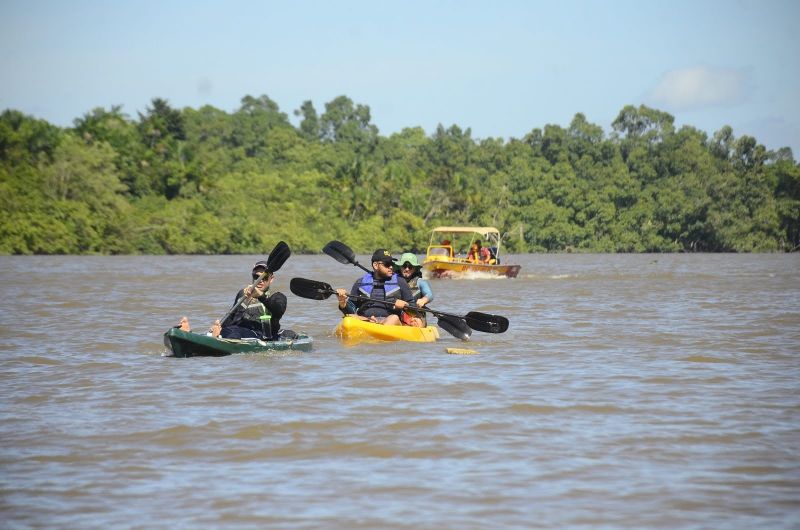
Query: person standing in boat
{"type": "Point", "coordinates": [257, 313]}
{"type": "Point", "coordinates": [387, 291]}
{"type": "Point", "coordinates": [408, 266]}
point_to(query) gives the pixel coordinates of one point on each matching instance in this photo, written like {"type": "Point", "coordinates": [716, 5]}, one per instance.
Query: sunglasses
{"type": "Point", "coordinates": [257, 274]}
{"type": "Point", "coordinates": [406, 265]}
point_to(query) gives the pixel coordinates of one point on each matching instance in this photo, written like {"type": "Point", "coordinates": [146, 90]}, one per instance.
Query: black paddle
{"type": "Point", "coordinates": [486, 322]}
{"type": "Point", "coordinates": [315, 290]}
{"type": "Point", "coordinates": [343, 254]}
{"type": "Point", "coordinates": [275, 261]}
{"type": "Point", "coordinates": [477, 321]}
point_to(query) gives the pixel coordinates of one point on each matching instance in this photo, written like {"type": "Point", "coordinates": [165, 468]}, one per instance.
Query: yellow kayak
{"type": "Point", "coordinates": [353, 330]}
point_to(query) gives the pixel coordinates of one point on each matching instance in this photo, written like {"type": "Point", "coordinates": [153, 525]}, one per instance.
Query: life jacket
{"type": "Point", "coordinates": [415, 290]}
{"type": "Point", "coordinates": [391, 286]}
{"type": "Point", "coordinates": [255, 316]}
{"type": "Point", "coordinates": [391, 289]}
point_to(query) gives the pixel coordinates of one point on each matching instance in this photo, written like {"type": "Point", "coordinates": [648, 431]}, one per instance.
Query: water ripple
{"type": "Point", "coordinates": [630, 391]}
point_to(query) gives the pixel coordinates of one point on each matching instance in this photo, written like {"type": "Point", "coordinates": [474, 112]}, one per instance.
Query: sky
{"type": "Point", "coordinates": [498, 67]}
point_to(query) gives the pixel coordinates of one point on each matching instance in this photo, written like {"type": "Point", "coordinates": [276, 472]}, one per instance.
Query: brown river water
{"type": "Point", "coordinates": [630, 391]}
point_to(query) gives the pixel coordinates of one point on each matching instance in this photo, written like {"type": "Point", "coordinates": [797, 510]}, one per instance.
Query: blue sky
{"type": "Point", "coordinates": [501, 68]}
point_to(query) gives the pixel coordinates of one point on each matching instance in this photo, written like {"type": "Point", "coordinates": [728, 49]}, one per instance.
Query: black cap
{"type": "Point", "coordinates": [261, 266]}
{"type": "Point", "coordinates": [382, 255]}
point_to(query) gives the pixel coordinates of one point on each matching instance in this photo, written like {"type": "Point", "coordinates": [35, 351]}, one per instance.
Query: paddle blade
{"type": "Point", "coordinates": [340, 252]}
{"type": "Point", "coordinates": [486, 323]}
{"type": "Point", "coordinates": [310, 289]}
{"type": "Point", "coordinates": [278, 256]}
{"type": "Point", "coordinates": [454, 326]}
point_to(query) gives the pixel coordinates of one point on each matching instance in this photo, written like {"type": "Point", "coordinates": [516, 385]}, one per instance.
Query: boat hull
{"type": "Point", "coordinates": [463, 269]}
{"type": "Point", "coordinates": [187, 344]}
{"type": "Point", "coordinates": [353, 330]}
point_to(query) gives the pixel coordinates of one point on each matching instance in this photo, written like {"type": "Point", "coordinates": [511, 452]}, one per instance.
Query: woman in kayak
{"type": "Point", "coordinates": [387, 291]}
{"type": "Point", "coordinates": [411, 270]}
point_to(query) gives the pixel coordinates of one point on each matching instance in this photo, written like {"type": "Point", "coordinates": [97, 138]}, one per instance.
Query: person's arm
{"type": "Point", "coordinates": [347, 305]}
{"type": "Point", "coordinates": [426, 292]}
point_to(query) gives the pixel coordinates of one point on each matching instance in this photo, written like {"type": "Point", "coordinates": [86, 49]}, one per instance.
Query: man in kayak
{"type": "Point", "coordinates": [257, 313]}
{"type": "Point", "coordinates": [387, 291]}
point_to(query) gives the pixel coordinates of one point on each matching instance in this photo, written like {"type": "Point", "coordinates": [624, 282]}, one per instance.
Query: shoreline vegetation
{"type": "Point", "coordinates": [207, 181]}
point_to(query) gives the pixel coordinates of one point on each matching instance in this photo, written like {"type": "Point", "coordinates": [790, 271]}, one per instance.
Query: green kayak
{"type": "Point", "coordinates": [187, 344]}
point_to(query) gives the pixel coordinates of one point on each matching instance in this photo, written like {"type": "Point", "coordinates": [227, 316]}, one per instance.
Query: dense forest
{"type": "Point", "coordinates": [198, 181]}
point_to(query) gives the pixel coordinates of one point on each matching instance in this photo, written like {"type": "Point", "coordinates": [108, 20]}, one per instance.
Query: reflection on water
{"type": "Point", "coordinates": [634, 391]}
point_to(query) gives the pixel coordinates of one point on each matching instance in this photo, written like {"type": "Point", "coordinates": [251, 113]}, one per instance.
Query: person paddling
{"type": "Point", "coordinates": [255, 314]}
{"type": "Point", "coordinates": [380, 286]}
{"type": "Point", "coordinates": [408, 266]}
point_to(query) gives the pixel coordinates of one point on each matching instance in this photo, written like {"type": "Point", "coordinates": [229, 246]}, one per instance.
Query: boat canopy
{"type": "Point", "coordinates": [485, 231]}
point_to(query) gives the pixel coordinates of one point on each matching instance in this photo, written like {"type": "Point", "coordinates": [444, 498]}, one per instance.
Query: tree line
{"type": "Point", "coordinates": [206, 181]}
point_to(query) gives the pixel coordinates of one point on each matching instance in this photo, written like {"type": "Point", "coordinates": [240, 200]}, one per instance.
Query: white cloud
{"type": "Point", "coordinates": [700, 86]}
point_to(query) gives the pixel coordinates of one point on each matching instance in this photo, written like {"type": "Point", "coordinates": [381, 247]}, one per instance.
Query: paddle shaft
{"type": "Point", "coordinates": [391, 304]}
{"type": "Point", "coordinates": [478, 321]}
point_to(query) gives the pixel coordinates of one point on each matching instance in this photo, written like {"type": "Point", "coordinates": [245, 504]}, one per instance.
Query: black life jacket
{"type": "Point", "coordinates": [254, 316]}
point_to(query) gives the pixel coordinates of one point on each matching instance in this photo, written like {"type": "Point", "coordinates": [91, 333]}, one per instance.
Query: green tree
{"type": "Point", "coordinates": [209, 181]}
{"type": "Point", "coordinates": [163, 165]}
{"type": "Point", "coordinates": [785, 174]}
{"type": "Point", "coordinates": [310, 126]}
{"type": "Point", "coordinates": [83, 182]}
{"type": "Point", "coordinates": [344, 122]}
{"type": "Point", "coordinates": [114, 128]}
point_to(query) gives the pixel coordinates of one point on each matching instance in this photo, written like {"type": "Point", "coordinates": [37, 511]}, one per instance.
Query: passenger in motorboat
{"type": "Point", "coordinates": [381, 285]}
{"type": "Point", "coordinates": [478, 254]}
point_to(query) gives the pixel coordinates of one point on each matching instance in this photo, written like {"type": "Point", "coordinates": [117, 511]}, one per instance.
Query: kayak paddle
{"type": "Point", "coordinates": [477, 321]}
{"type": "Point", "coordinates": [456, 325]}
{"type": "Point", "coordinates": [486, 322]}
{"type": "Point", "coordinates": [343, 254]}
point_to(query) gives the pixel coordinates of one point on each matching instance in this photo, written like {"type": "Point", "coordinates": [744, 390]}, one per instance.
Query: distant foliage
{"type": "Point", "coordinates": [204, 181]}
